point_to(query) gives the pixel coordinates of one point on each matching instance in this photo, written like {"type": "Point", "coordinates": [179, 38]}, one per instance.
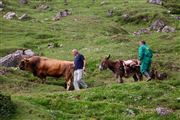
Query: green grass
{"type": "Point", "coordinates": [95, 35]}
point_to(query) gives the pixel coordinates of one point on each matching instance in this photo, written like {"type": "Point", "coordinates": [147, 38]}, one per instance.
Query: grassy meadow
{"type": "Point", "coordinates": [95, 35]}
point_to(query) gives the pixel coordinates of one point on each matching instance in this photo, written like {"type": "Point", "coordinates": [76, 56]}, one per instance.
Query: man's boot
{"type": "Point", "coordinates": [147, 76]}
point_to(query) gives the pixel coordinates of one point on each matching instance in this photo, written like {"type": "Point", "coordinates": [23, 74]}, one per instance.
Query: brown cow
{"type": "Point", "coordinates": [42, 67]}
{"type": "Point", "coordinates": [122, 68]}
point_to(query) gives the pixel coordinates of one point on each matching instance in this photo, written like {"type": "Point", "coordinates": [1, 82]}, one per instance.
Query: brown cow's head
{"type": "Point", "coordinates": [104, 63]}
{"type": "Point", "coordinates": [24, 64]}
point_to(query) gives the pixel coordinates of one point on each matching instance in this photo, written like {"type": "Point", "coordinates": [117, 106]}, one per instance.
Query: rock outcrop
{"type": "Point", "coordinates": [23, 1]}
{"type": "Point", "coordinates": [13, 59]}
{"type": "Point", "coordinates": [168, 29]}
{"type": "Point", "coordinates": [158, 2]}
{"type": "Point", "coordinates": [158, 25]}
{"type": "Point", "coordinates": [10, 15]}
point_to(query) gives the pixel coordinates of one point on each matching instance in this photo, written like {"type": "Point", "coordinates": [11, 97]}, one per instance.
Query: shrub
{"type": "Point", "coordinates": [7, 107]}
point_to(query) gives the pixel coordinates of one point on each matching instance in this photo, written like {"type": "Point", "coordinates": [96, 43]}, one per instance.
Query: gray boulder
{"type": "Point", "coordinates": [163, 111]}
{"type": "Point", "coordinates": [168, 29]}
{"type": "Point", "coordinates": [158, 2]}
{"type": "Point", "coordinates": [142, 31]}
{"type": "Point", "coordinates": [58, 16]}
{"type": "Point", "coordinates": [110, 13]}
{"type": "Point", "coordinates": [177, 17]}
{"type": "Point", "coordinates": [13, 59]}
{"type": "Point", "coordinates": [125, 17]}
{"type": "Point", "coordinates": [158, 25]}
{"type": "Point", "coordinates": [23, 1]}
{"type": "Point", "coordinates": [10, 15]}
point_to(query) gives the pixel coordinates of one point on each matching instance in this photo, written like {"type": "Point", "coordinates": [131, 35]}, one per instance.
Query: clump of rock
{"type": "Point", "coordinates": [110, 13]}
{"type": "Point", "coordinates": [178, 17]}
{"type": "Point", "coordinates": [13, 59]}
{"type": "Point", "coordinates": [168, 29]}
{"type": "Point", "coordinates": [158, 2]}
{"type": "Point", "coordinates": [23, 1]}
{"type": "Point", "coordinates": [142, 31]}
{"type": "Point", "coordinates": [160, 26]}
{"type": "Point", "coordinates": [125, 17]}
{"type": "Point", "coordinates": [10, 15]}
{"type": "Point", "coordinates": [61, 14]}
{"type": "Point", "coordinates": [163, 111]}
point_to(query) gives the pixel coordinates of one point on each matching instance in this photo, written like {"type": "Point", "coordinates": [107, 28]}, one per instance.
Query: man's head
{"type": "Point", "coordinates": [142, 42]}
{"type": "Point", "coordinates": [75, 52]}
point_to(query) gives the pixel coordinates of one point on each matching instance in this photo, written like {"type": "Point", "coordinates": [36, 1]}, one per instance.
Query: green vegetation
{"type": "Point", "coordinates": [95, 35]}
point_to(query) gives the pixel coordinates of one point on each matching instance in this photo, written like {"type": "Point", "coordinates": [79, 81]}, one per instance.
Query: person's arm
{"type": "Point", "coordinates": [84, 66]}
{"type": "Point", "coordinates": [84, 60]}
{"type": "Point", "coordinates": [141, 53]}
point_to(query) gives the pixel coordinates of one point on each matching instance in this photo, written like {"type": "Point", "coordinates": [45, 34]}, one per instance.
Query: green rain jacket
{"type": "Point", "coordinates": [145, 56]}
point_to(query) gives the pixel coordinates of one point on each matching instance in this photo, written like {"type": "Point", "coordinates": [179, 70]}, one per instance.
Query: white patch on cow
{"type": "Point", "coordinates": [100, 67]}
{"type": "Point", "coordinates": [127, 62]}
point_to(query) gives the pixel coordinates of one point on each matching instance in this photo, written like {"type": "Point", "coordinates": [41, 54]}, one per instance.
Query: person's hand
{"type": "Point", "coordinates": [84, 68]}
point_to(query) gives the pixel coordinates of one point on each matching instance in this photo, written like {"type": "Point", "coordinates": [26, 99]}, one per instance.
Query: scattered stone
{"type": "Point", "coordinates": [1, 6]}
{"type": "Point", "coordinates": [43, 7]}
{"type": "Point", "coordinates": [23, 1]}
{"type": "Point", "coordinates": [168, 29]}
{"type": "Point", "coordinates": [110, 13]}
{"type": "Point", "coordinates": [178, 17]}
{"type": "Point", "coordinates": [50, 45]}
{"type": "Point", "coordinates": [58, 16]}
{"type": "Point", "coordinates": [54, 45]}
{"type": "Point", "coordinates": [158, 2]}
{"type": "Point", "coordinates": [104, 3]}
{"type": "Point", "coordinates": [163, 111]}
{"type": "Point", "coordinates": [10, 15]}
{"type": "Point", "coordinates": [61, 14]}
{"type": "Point", "coordinates": [130, 112]}
{"type": "Point", "coordinates": [142, 31]}
{"type": "Point", "coordinates": [125, 17]}
{"type": "Point", "coordinates": [24, 17]}
{"type": "Point", "coordinates": [158, 25]}
{"type": "Point", "coordinates": [12, 60]}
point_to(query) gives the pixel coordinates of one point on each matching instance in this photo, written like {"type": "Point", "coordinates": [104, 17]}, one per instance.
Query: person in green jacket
{"type": "Point", "coordinates": [145, 56]}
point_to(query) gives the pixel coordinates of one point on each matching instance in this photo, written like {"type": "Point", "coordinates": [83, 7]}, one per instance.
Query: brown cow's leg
{"type": "Point", "coordinates": [140, 76]}
{"type": "Point", "coordinates": [120, 80]}
{"type": "Point", "coordinates": [44, 81]}
{"type": "Point", "coordinates": [135, 77]}
{"type": "Point", "coordinates": [68, 85]}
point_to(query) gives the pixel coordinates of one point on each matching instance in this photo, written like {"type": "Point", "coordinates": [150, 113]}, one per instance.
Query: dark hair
{"type": "Point", "coordinates": [143, 42]}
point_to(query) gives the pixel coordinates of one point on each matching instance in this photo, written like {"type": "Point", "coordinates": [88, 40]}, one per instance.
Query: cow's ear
{"type": "Point", "coordinates": [108, 57]}
{"type": "Point", "coordinates": [26, 60]}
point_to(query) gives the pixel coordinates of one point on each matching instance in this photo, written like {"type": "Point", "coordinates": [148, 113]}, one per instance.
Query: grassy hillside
{"type": "Point", "coordinates": [95, 35]}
